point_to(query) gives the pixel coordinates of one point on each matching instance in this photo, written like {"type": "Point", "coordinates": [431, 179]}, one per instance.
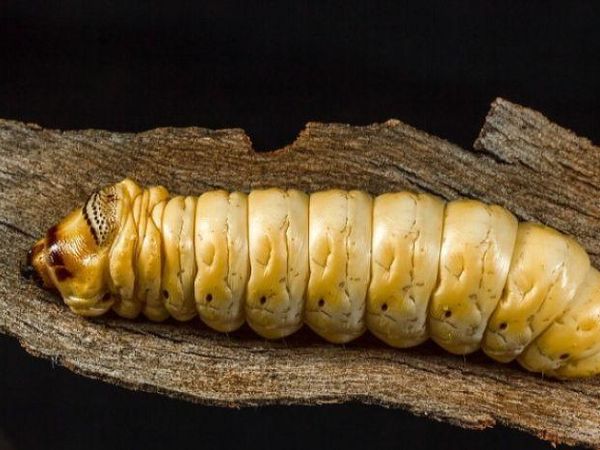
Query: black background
{"type": "Point", "coordinates": [269, 68]}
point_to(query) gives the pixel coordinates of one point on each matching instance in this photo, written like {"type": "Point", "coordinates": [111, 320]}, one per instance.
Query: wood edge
{"type": "Point", "coordinates": [501, 104]}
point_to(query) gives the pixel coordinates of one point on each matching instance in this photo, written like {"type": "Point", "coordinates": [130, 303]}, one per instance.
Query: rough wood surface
{"type": "Point", "coordinates": [536, 169]}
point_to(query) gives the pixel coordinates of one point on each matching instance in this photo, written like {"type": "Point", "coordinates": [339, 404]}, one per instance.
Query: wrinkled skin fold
{"type": "Point", "coordinates": [407, 267]}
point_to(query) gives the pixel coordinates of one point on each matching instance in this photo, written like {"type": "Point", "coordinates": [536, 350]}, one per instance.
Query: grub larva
{"type": "Point", "coordinates": [406, 266]}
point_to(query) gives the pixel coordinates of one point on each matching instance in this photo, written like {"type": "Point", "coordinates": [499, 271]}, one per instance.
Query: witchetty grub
{"type": "Point", "coordinates": [405, 266]}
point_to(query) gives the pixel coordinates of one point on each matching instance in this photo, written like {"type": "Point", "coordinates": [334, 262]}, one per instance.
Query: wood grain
{"type": "Point", "coordinates": [521, 161]}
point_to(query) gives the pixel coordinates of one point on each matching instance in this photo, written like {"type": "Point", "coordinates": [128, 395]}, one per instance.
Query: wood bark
{"type": "Point", "coordinates": [521, 161]}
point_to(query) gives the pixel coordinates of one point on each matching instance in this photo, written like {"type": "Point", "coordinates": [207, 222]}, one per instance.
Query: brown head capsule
{"type": "Point", "coordinates": [72, 257]}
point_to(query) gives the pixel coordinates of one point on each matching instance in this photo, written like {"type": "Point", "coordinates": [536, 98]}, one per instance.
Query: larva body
{"type": "Point", "coordinates": [407, 267]}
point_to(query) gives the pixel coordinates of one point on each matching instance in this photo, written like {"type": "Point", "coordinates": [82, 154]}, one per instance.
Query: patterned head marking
{"type": "Point", "coordinates": [100, 212]}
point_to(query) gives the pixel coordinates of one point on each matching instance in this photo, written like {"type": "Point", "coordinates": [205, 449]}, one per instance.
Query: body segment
{"type": "Point", "coordinates": [407, 232]}
{"type": "Point", "coordinates": [477, 245]}
{"type": "Point", "coordinates": [277, 237]}
{"type": "Point", "coordinates": [221, 259]}
{"type": "Point", "coordinates": [340, 253]}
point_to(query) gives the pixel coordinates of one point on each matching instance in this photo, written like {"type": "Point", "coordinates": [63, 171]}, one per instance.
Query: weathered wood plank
{"type": "Point", "coordinates": [44, 173]}
{"type": "Point", "coordinates": [564, 171]}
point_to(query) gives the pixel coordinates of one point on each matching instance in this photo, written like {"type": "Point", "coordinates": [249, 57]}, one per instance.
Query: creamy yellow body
{"type": "Point", "coordinates": [546, 270]}
{"type": "Point", "coordinates": [571, 340]}
{"type": "Point", "coordinates": [405, 266]}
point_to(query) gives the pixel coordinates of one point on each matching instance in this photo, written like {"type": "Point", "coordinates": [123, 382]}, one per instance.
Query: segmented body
{"type": "Point", "coordinates": [406, 266]}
